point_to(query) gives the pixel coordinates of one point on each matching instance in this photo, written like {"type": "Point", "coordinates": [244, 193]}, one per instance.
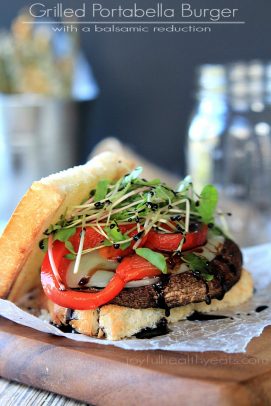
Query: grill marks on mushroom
{"type": "Point", "coordinates": [185, 288]}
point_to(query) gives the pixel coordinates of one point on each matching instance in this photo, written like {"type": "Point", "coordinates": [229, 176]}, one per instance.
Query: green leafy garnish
{"type": "Point", "coordinates": [164, 193]}
{"type": "Point", "coordinates": [70, 256]}
{"type": "Point", "coordinates": [154, 258]}
{"type": "Point", "coordinates": [101, 190]}
{"type": "Point", "coordinates": [116, 236]}
{"type": "Point", "coordinates": [64, 234]}
{"type": "Point", "coordinates": [198, 263]}
{"type": "Point", "coordinates": [131, 176]}
{"type": "Point", "coordinates": [70, 247]}
{"type": "Point", "coordinates": [185, 184]}
{"type": "Point", "coordinates": [207, 203]}
{"type": "Point", "coordinates": [144, 182]}
{"type": "Point", "coordinates": [146, 206]}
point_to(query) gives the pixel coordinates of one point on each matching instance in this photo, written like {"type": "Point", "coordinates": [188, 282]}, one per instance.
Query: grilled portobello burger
{"type": "Point", "coordinates": [119, 253]}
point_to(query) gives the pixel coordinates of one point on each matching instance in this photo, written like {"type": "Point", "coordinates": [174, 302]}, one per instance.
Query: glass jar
{"type": "Point", "coordinates": [229, 144]}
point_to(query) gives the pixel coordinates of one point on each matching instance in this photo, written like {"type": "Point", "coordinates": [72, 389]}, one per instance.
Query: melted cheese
{"type": "Point", "coordinates": [89, 265]}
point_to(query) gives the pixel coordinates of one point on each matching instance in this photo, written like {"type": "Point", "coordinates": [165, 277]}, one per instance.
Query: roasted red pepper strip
{"type": "Point", "coordinates": [94, 239]}
{"type": "Point", "coordinates": [134, 268]}
{"type": "Point", "coordinates": [131, 268]}
{"type": "Point", "coordinates": [170, 242]}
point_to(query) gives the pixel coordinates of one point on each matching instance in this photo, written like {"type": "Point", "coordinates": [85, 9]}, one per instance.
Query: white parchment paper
{"type": "Point", "coordinates": [229, 335]}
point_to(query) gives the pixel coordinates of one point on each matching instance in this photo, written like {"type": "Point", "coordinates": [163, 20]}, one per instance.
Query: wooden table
{"type": "Point", "coordinates": [13, 394]}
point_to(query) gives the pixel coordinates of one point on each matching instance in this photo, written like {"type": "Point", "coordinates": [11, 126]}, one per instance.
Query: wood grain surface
{"type": "Point", "coordinates": [111, 376]}
{"type": "Point", "coordinates": [16, 394]}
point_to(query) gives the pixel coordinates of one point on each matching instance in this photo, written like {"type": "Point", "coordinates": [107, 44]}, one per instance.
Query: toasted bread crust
{"type": "Point", "coordinates": [41, 206]}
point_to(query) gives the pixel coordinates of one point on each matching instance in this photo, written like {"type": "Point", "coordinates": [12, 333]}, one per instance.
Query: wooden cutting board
{"type": "Point", "coordinates": [105, 375]}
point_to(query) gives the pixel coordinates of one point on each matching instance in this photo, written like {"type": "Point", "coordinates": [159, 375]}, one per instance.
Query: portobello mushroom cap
{"type": "Point", "coordinates": [184, 288]}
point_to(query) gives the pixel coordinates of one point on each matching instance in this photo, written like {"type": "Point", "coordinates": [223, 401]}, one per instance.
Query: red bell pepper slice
{"type": "Point", "coordinates": [131, 268]}
{"type": "Point", "coordinates": [170, 241]}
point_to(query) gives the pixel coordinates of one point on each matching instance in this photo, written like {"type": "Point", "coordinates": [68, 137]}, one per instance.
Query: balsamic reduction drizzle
{"type": "Point", "coordinates": [159, 288]}
{"type": "Point", "coordinates": [261, 308]}
{"type": "Point", "coordinates": [83, 281]}
{"type": "Point", "coordinates": [160, 330]}
{"type": "Point", "coordinates": [196, 316]}
{"type": "Point", "coordinates": [69, 315]}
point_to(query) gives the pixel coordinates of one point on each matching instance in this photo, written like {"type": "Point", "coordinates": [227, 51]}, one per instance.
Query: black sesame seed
{"type": "Point", "coordinates": [98, 205]}
{"type": "Point", "coordinates": [138, 235]}
{"type": "Point", "coordinates": [116, 246]}
{"type": "Point", "coordinates": [210, 225]}
{"type": "Point", "coordinates": [229, 214]}
{"type": "Point", "coordinates": [193, 227]}
{"type": "Point", "coordinates": [41, 244]}
{"type": "Point", "coordinates": [112, 226]}
{"type": "Point", "coordinates": [197, 203]}
{"type": "Point", "coordinates": [169, 206]}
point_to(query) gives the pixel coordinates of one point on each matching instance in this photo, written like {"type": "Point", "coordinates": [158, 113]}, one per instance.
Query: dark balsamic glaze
{"type": "Point", "coordinates": [159, 288]}
{"type": "Point", "coordinates": [208, 299]}
{"type": "Point", "coordinates": [69, 315]}
{"type": "Point", "coordinates": [65, 328]}
{"type": "Point", "coordinates": [260, 309]}
{"type": "Point", "coordinates": [83, 281]}
{"type": "Point", "coordinates": [160, 330]}
{"type": "Point", "coordinates": [196, 316]}
{"type": "Point", "coordinates": [224, 287]}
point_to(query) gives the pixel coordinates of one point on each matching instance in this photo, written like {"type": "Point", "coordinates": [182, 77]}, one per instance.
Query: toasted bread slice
{"type": "Point", "coordinates": [116, 322]}
{"type": "Point", "coordinates": [41, 206]}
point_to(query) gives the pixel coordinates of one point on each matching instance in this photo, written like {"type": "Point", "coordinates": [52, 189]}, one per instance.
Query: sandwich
{"type": "Point", "coordinates": [110, 254]}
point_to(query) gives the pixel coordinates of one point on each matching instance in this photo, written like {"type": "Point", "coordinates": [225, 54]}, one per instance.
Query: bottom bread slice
{"type": "Point", "coordinates": [116, 322]}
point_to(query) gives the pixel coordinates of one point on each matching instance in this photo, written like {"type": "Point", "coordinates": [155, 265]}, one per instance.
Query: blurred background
{"type": "Point", "coordinates": [187, 102]}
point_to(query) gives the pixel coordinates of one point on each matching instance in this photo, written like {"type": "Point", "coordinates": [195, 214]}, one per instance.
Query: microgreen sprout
{"type": "Point", "coordinates": [133, 201]}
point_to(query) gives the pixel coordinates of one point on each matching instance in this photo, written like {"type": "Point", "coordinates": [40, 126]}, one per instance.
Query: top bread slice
{"type": "Point", "coordinates": [42, 205]}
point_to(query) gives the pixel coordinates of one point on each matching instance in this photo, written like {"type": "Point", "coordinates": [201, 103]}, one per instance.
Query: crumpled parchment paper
{"type": "Point", "coordinates": [229, 335]}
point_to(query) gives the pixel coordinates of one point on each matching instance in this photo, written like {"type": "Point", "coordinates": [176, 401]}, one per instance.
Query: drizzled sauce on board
{"type": "Point", "coordinates": [196, 316]}
{"type": "Point", "coordinates": [260, 309]}
{"type": "Point", "coordinates": [160, 330]}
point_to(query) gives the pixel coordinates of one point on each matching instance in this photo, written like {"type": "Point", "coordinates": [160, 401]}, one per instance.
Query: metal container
{"type": "Point", "coordinates": [38, 136]}
{"type": "Point", "coordinates": [229, 144]}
